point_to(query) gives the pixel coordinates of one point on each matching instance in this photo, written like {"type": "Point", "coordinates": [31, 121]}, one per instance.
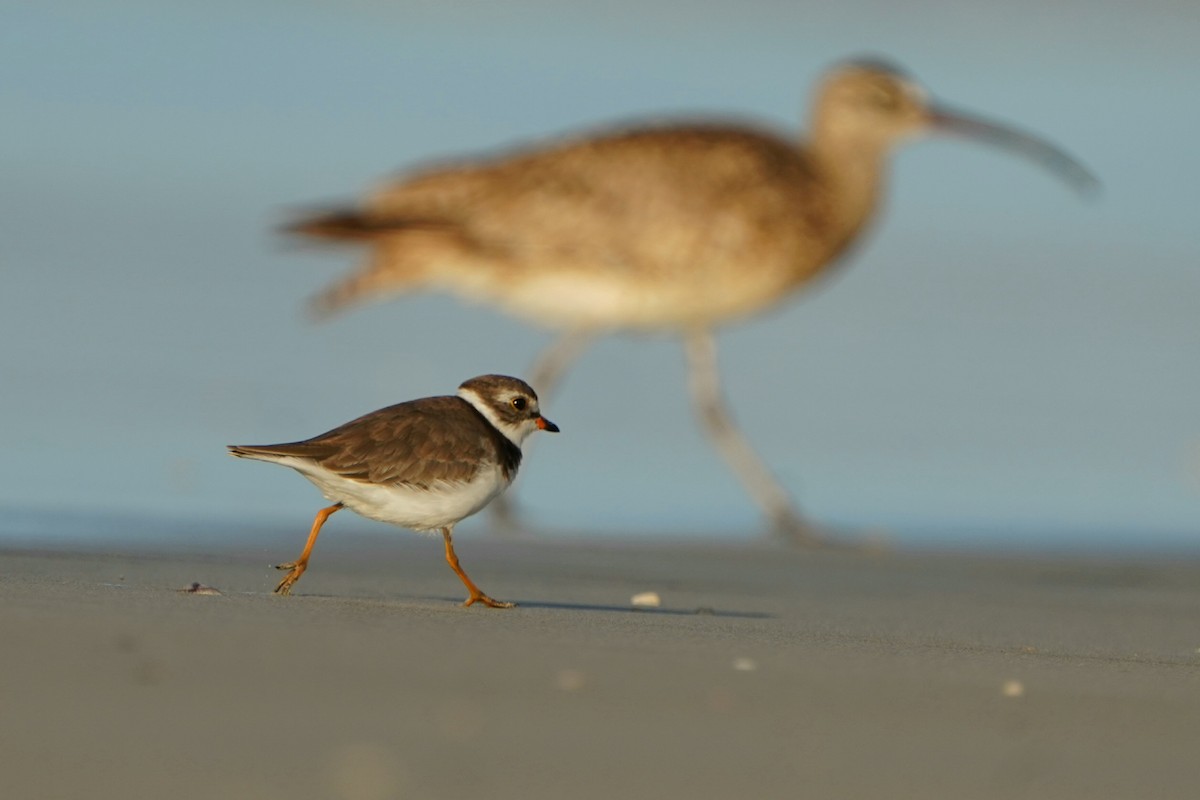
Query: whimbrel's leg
{"type": "Point", "coordinates": [544, 377]}
{"type": "Point", "coordinates": [705, 385]}
{"type": "Point", "coordinates": [476, 594]}
{"type": "Point", "coordinates": [297, 567]}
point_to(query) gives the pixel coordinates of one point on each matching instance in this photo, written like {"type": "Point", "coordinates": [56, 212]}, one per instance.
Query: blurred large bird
{"type": "Point", "coordinates": [674, 228]}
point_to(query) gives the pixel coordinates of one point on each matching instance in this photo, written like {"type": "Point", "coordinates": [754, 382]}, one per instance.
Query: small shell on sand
{"type": "Point", "coordinates": [1013, 688]}
{"type": "Point", "coordinates": [646, 600]}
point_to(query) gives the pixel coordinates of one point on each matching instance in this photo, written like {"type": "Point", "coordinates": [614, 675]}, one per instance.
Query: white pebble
{"type": "Point", "coordinates": [744, 664]}
{"type": "Point", "coordinates": [646, 600]}
{"type": "Point", "coordinates": [1013, 688]}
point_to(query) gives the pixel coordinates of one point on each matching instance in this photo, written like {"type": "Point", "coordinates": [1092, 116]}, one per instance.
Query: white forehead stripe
{"type": "Point", "coordinates": [514, 434]}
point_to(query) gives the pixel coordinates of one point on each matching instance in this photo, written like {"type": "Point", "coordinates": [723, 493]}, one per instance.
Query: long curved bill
{"type": "Point", "coordinates": [1041, 152]}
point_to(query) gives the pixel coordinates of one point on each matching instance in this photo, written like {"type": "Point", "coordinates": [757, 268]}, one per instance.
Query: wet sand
{"type": "Point", "coordinates": [764, 674]}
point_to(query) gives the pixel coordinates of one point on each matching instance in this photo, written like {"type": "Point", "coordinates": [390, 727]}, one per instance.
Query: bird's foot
{"type": "Point", "coordinates": [480, 597]}
{"type": "Point", "coordinates": [295, 570]}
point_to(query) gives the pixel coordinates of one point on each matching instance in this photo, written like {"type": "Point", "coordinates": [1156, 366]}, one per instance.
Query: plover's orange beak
{"type": "Point", "coordinates": [546, 425]}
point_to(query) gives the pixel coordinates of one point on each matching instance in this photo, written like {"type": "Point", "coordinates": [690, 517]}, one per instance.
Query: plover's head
{"type": "Point", "coordinates": [510, 404]}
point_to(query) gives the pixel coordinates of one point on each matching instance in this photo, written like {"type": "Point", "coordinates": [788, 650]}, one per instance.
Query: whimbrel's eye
{"type": "Point", "coordinates": [883, 98]}
{"type": "Point", "coordinates": [519, 403]}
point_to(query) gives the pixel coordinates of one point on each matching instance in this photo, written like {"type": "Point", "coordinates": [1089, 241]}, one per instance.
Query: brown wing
{"type": "Point", "coordinates": [607, 197]}
{"type": "Point", "coordinates": [419, 443]}
{"type": "Point", "coordinates": [607, 201]}
{"type": "Point", "coordinates": [663, 208]}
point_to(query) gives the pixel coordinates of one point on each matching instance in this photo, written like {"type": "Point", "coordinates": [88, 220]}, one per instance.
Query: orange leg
{"type": "Point", "coordinates": [298, 566]}
{"type": "Point", "coordinates": [476, 594]}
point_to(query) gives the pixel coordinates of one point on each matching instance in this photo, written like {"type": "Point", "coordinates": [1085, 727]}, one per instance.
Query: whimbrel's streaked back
{"type": "Point", "coordinates": [677, 228]}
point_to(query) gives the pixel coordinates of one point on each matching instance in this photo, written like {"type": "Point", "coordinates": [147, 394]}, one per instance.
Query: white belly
{"type": "Point", "coordinates": [614, 301]}
{"type": "Point", "coordinates": [420, 509]}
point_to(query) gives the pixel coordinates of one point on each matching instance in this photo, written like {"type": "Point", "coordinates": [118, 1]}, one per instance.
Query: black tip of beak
{"type": "Point", "coordinates": [546, 425]}
{"type": "Point", "coordinates": [1036, 149]}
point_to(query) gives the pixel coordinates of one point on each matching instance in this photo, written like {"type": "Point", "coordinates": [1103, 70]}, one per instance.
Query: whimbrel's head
{"type": "Point", "coordinates": [872, 106]}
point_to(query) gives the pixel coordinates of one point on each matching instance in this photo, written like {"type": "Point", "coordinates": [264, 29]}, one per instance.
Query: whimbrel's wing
{"type": "Point", "coordinates": [612, 200]}
{"type": "Point", "coordinates": [589, 194]}
{"type": "Point", "coordinates": [673, 204]}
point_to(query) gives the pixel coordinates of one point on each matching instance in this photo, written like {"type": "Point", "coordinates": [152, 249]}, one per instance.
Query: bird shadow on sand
{"type": "Point", "coordinates": [698, 611]}
{"type": "Point", "coordinates": [695, 611]}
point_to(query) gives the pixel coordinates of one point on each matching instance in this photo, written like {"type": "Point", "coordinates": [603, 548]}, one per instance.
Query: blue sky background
{"type": "Point", "coordinates": [999, 362]}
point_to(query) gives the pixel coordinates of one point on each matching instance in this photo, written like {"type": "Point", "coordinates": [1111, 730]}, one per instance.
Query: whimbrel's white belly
{"type": "Point", "coordinates": [579, 299]}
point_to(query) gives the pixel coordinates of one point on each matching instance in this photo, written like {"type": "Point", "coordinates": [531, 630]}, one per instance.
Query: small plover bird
{"type": "Point", "coordinates": [675, 228]}
{"type": "Point", "coordinates": [424, 464]}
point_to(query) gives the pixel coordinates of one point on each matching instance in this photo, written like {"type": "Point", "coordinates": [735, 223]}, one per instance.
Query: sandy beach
{"type": "Point", "coordinates": [765, 673]}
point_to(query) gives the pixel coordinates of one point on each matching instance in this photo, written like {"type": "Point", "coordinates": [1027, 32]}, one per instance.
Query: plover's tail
{"type": "Point", "coordinates": [270, 452]}
{"type": "Point", "coordinates": [246, 451]}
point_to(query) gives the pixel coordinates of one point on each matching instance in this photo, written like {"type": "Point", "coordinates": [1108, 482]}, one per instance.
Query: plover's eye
{"type": "Point", "coordinates": [519, 403]}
